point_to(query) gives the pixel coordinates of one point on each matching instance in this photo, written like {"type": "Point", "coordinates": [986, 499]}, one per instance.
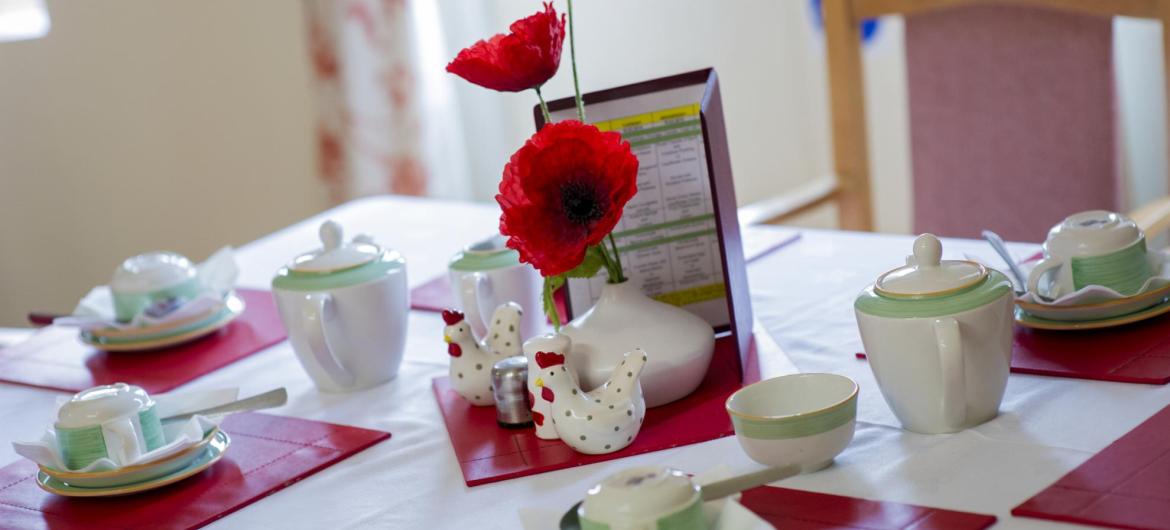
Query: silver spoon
{"type": "Point", "coordinates": [1000, 248]}
{"type": "Point", "coordinates": [267, 400]}
{"type": "Point", "coordinates": [710, 492]}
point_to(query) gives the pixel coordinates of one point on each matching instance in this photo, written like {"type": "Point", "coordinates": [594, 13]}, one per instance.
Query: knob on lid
{"type": "Point", "coordinates": [335, 254]}
{"type": "Point", "coordinates": [926, 274]}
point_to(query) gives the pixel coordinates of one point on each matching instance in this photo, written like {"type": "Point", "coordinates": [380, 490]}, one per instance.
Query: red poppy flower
{"type": "Point", "coordinates": [520, 60]}
{"type": "Point", "coordinates": [563, 192]}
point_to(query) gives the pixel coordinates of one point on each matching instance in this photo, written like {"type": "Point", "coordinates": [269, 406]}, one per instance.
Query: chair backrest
{"type": "Point", "coordinates": [1012, 119]}
{"type": "Point", "coordinates": [847, 103]}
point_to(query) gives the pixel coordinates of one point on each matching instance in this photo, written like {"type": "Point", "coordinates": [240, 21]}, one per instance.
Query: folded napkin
{"type": "Point", "coordinates": [179, 434]}
{"type": "Point", "coordinates": [217, 275]}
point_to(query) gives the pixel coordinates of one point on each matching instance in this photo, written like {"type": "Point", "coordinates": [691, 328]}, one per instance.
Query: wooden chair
{"type": "Point", "coordinates": [851, 188]}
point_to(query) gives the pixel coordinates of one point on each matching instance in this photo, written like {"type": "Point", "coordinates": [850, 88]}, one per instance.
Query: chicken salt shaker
{"type": "Point", "coordinates": [471, 359]}
{"type": "Point", "coordinates": [598, 422]}
{"type": "Point", "coordinates": [558, 343]}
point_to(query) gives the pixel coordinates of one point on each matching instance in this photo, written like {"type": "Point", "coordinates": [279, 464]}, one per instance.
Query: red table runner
{"type": "Point", "coordinates": [1127, 485]}
{"type": "Point", "coordinates": [267, 454]}
{"type": "Point", "coordinates": [804, 510]}
{"type": "Point", "coordinates": [55, 358]}
{"type": "Point", "coordinates": [1135, 353]}
{"type": "Point", "coordinates": [489, 453]}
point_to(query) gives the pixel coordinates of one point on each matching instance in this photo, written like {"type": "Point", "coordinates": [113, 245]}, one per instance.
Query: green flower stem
{"type": "Point", "coordinates": [550, 305]}
{"type": "Point", "coordinates": [617, 258]}
{"type": "Point", "coordinates": [608, 261]}
{"type": "Point", "coordinates": [543, 106]}
{"type": "Point", "coordinates": [573, 60]}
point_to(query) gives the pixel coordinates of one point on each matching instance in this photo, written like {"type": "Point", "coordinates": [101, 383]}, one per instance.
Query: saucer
{"type": "Point", "coordinates": [152, 338]}
{"type": "Point", "coordinates": [1099, 310]}
{"type": "Point", "coordinates": [211, 453]}
{"type": "Point", "coordinates": [136, 473]}
{"type": "Point", "coordinates": [1032, 321]}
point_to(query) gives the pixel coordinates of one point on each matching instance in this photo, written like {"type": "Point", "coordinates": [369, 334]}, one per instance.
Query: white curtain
{"type": "Point", "coordinates": [387, 119]}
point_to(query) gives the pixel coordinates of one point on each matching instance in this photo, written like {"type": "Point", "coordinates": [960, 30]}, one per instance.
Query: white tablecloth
{"type": "Point", "coordinates": [802, 295]}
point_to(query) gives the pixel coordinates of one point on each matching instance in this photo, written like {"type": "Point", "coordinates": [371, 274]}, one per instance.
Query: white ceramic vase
{"type": "Point", "coordinates": [678, 342]}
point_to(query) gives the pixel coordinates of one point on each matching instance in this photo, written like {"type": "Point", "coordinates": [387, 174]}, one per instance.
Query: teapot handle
{"type": "Point", "coordinates": [950, 356]}
{"type": "Point", "coordinates": [317, 312]}
{"type": "Point", "coordinates": [476, 293]}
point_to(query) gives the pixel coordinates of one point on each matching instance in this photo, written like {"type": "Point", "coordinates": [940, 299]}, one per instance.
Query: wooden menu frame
{"type": "Point", "coordinates": [738, 324]}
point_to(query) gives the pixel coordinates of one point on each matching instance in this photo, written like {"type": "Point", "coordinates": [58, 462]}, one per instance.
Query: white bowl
{"type": "Point", "coordinates": [801, 419]}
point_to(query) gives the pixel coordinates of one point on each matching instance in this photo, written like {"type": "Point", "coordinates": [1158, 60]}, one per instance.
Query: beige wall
{"type": "Point", "coordinates": [145, 124]}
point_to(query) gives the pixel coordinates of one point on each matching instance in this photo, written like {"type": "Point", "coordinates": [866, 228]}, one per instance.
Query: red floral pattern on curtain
{"type": "Point", "coordinates": [368, 131]}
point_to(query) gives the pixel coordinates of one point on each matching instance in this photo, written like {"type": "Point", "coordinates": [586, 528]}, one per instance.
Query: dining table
{"type": "Point", "coordinates": [802, 297]}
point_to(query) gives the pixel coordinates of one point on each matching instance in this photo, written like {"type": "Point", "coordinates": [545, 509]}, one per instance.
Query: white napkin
{"type": "Point", "coordinates": [722, 514]}
{"type": "Point", "coordinates": [179, 435]}
{"type": "Point", "coordinates": [217, 275]}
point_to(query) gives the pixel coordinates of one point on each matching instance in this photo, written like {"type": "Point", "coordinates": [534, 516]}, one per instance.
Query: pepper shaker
{"type": "Point", "coordinates": [510, 390]}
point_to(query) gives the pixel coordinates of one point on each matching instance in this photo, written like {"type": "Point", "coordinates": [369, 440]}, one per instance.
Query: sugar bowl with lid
{"type": "Point", "coordinates": [938, 334]}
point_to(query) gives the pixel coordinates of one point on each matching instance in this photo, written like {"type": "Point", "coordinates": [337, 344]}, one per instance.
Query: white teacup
{"type": "Point", "coordinates": [486, 274]}
{"type": "Point", "coordinates": [644, 498]}
{"type": "Point", "coordinates": [345, 307]}
{"type": "Point", "coordinates": [1096, 247]}
{"type": "Point", "coordinates": [117, 421]}
{"type": "Point", "coordinates": [147, 278]}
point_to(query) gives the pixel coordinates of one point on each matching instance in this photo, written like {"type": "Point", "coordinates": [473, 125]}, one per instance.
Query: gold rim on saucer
{"type": "Point", "coordinates": [1033, 307]}
{"type": "Point", "coordinates": [1034, 322]}
{"type": "Point", "coordinates": [220, 444]}
{"type": "Point", "coordinates": [122, 333]}
{"type": "Point", "coordinates": [235, 310]}
{"type": "Point", "coordinates": [64, 476]}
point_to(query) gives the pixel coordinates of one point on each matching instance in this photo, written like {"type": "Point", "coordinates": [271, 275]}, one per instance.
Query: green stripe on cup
{"type": "Point", "coordinates": [127, 305]}
{"type": "Point", "coordinates": [1124, 271]}
{"type": "Point", "coordinates": [151, 428]}
{"type": "Point", "coordinates": [796, 426]}
{"type": "Point", "coordinates": [81, 446]}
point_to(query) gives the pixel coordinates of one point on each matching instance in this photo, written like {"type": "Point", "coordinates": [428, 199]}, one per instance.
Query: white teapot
{"type": "Point", "coordinates": [345, 307]}
{"type": "Point", "coordinates": [938, 334]}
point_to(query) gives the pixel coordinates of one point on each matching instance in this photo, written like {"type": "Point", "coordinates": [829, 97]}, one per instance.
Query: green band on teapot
{"type": "Point", "coordinates": [292, 280]}
{"type": "Point", "coordinates": [484, 261]}
{"type": "Point", "coordinates": [993, 287]}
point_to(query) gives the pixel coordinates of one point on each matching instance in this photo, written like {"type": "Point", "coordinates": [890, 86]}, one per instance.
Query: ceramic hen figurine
{"type": "Point", "coordinates": [602, 421]}
{"type": "Point", "coordinates": [558, 343]}
{"type": "Point", "coordinates": [471, 361]}
{"type": "Point", "coordinates": [503, 331]}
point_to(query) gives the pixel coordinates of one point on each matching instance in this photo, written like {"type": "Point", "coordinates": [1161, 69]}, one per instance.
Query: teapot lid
{"type": "Point", "coordinates": [336, 254]}
{"type": "Point", "coordinates": [927, 275]}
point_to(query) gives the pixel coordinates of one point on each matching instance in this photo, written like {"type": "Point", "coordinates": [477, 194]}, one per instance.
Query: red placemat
{"type": "Point", "coordinates": [804, 510]}
{"type": "Point", "coordinates": [1127, 485]}
{"type": "Point", "coordinates": [1135, 353]}
{"type": "Point", "coordinates": [489, 453]}
{"type": "Point", "coordinates": [434, 295]}
{"type": "Point", "coordinates": [267, 454]}
{"type": "Point", "coordinates": [55, 358]}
